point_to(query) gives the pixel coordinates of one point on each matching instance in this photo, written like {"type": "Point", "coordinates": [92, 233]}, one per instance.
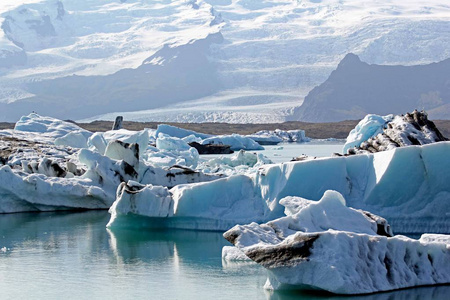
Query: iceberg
{"type": "Point", "coordinates": [40, 124]}
{"type": "Point", "coordinates": [99, 140]}
{"type": "Point", "coordinates": [40, 176]}
{"type": "Point", "coordinates": [171, 151]}
{"type": "Point", "coordinates": [40, 129]}
{"type": "Point", "coordinates": [273, 137]}
{"type": "Point", "coordinates": [216, 208]}
{"type": "Point", "coordinates": [407, 185]}
{"type": "Point", "coordinates": [179, 132]}
{"type": "Point", "coordinates": [375, 133]}
{"type": "Point", "coordinates": [328, 246]}
{"type": "Point", "coordinates": [239, 163]}
{"type": "Point", "coordinates": [370, 126]}
{"type": "Point", "coordinates": [43, 191]}
{"type": "Point", "coordinates": [235, 141]}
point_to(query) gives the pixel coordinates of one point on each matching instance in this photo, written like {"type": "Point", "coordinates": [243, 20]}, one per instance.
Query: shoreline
{"type": "Point", "coordinates": [338, 130]}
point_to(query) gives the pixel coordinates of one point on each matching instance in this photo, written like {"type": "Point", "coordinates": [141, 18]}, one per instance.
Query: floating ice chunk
{"type": "Point", "coordinates": [127, 136]}
{"type": "Point", "coordinates": [236, 141]}
{"type": "Point", "coordinates": [435, 238]}
{"type": "Point", "coordinates": [168, 143]}
{"type": "Point", "coordinates": [328, 246]}
{"type": "Point", "coordinates": [105, 171]}
{"type": "Point", "coordinates": [41, 129]}
{"type": "Point", "coordinates": [269, 137]}
{"type": "Point", "coordinates": [50, 126]}
{"type": "Point", "coordinates": [239, 163]}
{"type": "Point", "coordinates": [158, 201]}
{"type": "Point", "coordinates": [171, 151]}
{"type": "Point", "coordinates": [214, 209]}
{"type": "Point", "coordinates": [123, 151]}
{"type": "Point", "coordinates": [97, 142]}
{"type": "Point", "coordinates": [76, 139]}
{"type": "Point", "coordinates": [179, 132]}
{"type": "Point", "coordinates": [231, 253]}
{"type": "Point", "coordinates": [37, 192]}
{"type": "Point", "coordinates": [405, 130]}
{"type": "Point", "coordinates": [368, 127]}
{"type": "Point", "coordinates": [192, 138]}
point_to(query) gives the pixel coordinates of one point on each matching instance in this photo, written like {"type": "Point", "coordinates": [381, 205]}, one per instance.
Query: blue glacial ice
{"type": "Point", "coordinates": [409, 186]}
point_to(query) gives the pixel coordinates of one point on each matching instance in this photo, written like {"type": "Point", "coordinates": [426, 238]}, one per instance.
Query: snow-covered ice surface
{"type": "Point", "coordinates": [259, 57]}
{"type": "Point", "coordinates": [408, 186]}
{"type": "Point", "coordinates": [328, 246]}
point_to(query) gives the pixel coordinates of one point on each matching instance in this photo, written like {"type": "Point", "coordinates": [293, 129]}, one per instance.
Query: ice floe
{"type": "Point", "coordinates": [236, 142]}
{"type": "Point", "coordinates": [273, 137]}
{"type": "Point", "coordinates": [328, 246]}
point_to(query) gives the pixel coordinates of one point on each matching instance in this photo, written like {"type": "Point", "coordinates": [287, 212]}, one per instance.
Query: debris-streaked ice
{"type": "Point", "coordinates": [330, 247]}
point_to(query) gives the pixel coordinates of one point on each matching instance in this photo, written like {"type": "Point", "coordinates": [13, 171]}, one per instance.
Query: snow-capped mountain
{"type": "Point", "coordinates": [211, 60]}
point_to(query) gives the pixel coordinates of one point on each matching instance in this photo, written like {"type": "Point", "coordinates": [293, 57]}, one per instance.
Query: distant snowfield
{"type": "Point", "coordinates": [193, 61]}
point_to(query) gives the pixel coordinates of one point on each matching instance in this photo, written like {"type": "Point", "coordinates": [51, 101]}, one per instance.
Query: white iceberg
{"type": "Point", "coordinates": [45, 177]}
{"type": "Point", "coordinates": [236, 141]}
{"type": "Point", "coordinates": [95, 189]}
{"type": "Point", "coordinates": [179, 132]}
{"type": "Point", "coordinates": [330, 247]}
{"type": "Point", "coordinates": [42, 129]}
{"type": "Point", "coordinates": [273, 137]}
{"type": "Point", "coordinates": [100, 140]}
{"type": "Point", "coordinates": [54, 127]}
{"type": "Point", "coordinates": [239, 163]}
{"type": "Point", "coordinates": [171, 151]}
{"type": "Point", "coordinates": [75, 139]}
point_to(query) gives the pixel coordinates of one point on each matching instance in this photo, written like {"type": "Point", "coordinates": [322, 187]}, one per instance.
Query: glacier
{"type": "Point", "coordinates": [124, 49]}
{"type": "Point", "coordinates": [327, 246]}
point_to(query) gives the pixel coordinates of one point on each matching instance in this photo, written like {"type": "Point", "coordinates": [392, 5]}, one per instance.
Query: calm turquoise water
{"type": "Point", "coordinates": [73, 256]}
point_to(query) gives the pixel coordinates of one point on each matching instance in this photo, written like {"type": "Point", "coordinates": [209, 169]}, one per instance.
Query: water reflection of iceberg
{"type": "Point", "coordinates": [50, 230]}
{"type": "Point", "coordinates": [429, 292]}
{"type": "Point", "coordinates": [193, 247]}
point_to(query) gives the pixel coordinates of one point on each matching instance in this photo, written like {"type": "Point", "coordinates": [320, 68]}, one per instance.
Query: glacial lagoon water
{"type": "Point", "coordinates": [71, 255]}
